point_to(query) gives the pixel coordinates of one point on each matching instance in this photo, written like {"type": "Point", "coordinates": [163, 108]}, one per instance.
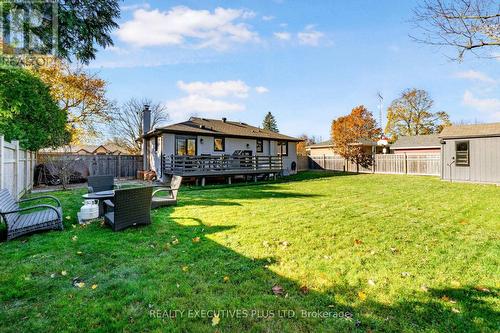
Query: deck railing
{"type": "Point", "coordinates": [206, 165]}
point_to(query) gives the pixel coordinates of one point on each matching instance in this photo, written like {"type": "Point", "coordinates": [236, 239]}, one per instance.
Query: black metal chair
{"type": "Point", "coordinates": [170, 200]}
{"type": "Point", "coordinates": [19, 222]}
{"type": "Point", "coordinates": [100, 183]}
{"type": "Point", "coordinates": [130, 207]}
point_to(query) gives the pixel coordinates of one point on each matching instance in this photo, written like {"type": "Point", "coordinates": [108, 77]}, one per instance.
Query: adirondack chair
{"type": "Point", "coordinates": [20, 222]}
{"type": "Point", "coordinates": [129, 207]}
{"type": "Point", "coordinates": [170, 200]}
{"type": "Point", "coordinates": [100, 183]}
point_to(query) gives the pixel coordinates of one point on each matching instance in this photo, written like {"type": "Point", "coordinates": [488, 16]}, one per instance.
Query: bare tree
{"type": "Point", "coordinates": [126, 126]}
{"type": "Point", "coordinates": [468, 25]}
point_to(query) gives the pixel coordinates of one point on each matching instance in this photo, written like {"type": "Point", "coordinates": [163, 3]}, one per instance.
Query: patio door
{"type": "Point", "coordinates": [185, 145]}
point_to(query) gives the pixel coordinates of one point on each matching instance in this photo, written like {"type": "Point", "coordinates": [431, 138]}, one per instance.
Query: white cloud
{"type": "Point", "coordinates": [310, 36]}
{"type": "Point", "coordinates": [235, 88]}
{"type": "Point", "coordinates": [135, 7]}
{"type": "Point", "coordinates": [282, 35]}
{"type": "Point", "coordinates": [475, 76]}
{"type": "Point", "coordinates": [261, 90]}
{"type": "Point", "coordinates": [489, 106]}
{"type": "Point", "coordinates": [182, 25]}
{"type": "Point", "coordinates": [268, 18]}
{"type": "Point", "coordinates": [202, 104]}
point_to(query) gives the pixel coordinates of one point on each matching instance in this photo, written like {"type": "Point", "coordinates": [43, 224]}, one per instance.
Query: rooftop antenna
{"type": "Point", "coordinates": [380, 100]}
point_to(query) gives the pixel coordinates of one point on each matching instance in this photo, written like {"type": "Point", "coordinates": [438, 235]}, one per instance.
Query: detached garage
{"type": "Point", "coordinates": [471, 153]}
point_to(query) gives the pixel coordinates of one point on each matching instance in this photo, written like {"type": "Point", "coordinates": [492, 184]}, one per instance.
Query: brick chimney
{"type": "Point", "coordinates": [146, 127]}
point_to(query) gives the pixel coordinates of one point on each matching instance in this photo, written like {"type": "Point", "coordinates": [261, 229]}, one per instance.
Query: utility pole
{"type": "Point", "coordinates": [380, 101]}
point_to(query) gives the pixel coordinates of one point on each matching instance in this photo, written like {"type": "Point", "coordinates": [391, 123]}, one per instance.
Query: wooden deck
{"type": "Point", "coordinates": [206, 166]}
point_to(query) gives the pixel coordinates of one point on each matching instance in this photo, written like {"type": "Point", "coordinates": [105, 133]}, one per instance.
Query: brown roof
{"type": "Point", "coordinates": [471, 131]}
{"type": "Point", "coordinates": [417, 141]}
{"type": "Point", "coordinates": [203, 126]}
{"type": "Point", "coordinates": [90, 149]}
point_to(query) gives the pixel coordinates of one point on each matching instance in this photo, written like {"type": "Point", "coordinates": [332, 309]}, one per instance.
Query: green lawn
{"type": "Point", "coordinates": [399, 253]}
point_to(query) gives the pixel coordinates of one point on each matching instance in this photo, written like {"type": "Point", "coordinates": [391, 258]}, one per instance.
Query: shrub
{"type": "Point", "coordinates": [27, 111]}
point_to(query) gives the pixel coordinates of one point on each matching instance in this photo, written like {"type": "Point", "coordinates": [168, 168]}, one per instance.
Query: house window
{"type": "Point", "coordinates": [260, 145]}
{"type": "Point", "coordinates": [185, 145]}
{"type": "Point", "coordinates": [219, 144]}
{"type": "Point", "coordinates": [283, 148]}
{"type": "Point", "coordinates": [462, 153]}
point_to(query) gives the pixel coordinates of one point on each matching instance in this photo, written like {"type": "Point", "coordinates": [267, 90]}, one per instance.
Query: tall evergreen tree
{"type": "Point", "coordinates": [270, 123]}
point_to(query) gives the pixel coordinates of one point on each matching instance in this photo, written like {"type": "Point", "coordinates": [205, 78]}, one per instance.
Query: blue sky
{"type": "Point", "coordinates": [307, 62]}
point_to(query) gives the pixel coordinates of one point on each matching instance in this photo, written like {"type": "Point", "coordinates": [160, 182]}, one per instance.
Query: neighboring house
{"type": "Point", "coordinates": [471, 153]}
{"type": "Point", "coordinates": [208, 147]}
{"type": "Point", "coordinates": [418, 144]}
{"type": "Point", "coordinates": [108, 149]}
{"type": "Point", "coordinates": [326, 148]}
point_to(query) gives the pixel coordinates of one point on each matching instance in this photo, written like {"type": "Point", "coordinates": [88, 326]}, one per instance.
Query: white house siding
{"type": "Point", "coordinates": [484, 166]}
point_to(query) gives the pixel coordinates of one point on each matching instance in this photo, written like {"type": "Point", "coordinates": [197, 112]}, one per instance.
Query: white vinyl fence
{"type": "Point", "coordinates": [16, 168]}
{"type": "Point", "coordinates": [411, 164]}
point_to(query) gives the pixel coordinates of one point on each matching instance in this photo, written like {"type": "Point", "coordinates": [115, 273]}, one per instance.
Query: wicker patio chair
{"type": "Point", "coordinates": [130, 207]}
{"type": "Point", "coordinates": [19, 222]}
{"type": "Point", "coordinates": [100, 183]}
{"type": "Point", "coordinates": [171, 199]}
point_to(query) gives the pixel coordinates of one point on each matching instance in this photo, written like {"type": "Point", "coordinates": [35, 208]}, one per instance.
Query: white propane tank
{"type": "Point", "coordinates": [89, 210]}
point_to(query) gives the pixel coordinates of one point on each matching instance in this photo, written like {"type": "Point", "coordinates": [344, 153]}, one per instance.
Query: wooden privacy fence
{"type": "Point", "coordinates": [120, 166]}
{"type": "Point", "coordinates": [16, 168]}
{"type": "Point", "coordinates": [412, 164]}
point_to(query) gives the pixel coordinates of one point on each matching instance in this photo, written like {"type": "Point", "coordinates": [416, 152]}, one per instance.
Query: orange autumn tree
{"type": "Point", "coordinates": [348, 131]}
{"type": "Point", "coordinates": [80, 94]}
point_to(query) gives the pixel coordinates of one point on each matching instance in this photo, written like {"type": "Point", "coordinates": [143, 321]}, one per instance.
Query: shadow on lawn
{"type": "Point", "coordinates": [250, 288]}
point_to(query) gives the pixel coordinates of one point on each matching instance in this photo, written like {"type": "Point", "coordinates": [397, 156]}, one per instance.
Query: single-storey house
{"type": "Point", "coordinates": [418, 144]}
{"type": "Point", "coordinates": [326, 148]}
{"type": "Point", "coordinates": [471, 153]}
{"type": "Point", "coordinates": [201, 147]}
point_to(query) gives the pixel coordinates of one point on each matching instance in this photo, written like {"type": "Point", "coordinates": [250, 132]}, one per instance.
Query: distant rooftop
{"type": "Point", "coordinates": [328, 144]}
{"type": "Point", "coordinates": [417, 141]}
{"type": "Point", "coordinates": [203, 126]}
{"type": "Point", "coordinates": [471, 131]}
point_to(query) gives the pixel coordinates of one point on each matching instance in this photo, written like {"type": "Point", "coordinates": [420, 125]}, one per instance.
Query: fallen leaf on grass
{"type": "Point", "coordinates": [52, 275]}
{"type": "Point", "coordinates": [424, 288]}
{"type": "Point", "coordinates": [80, 284]}
{"type": "Point", "coordinates": [481, 288]}
{"type": "Point", "coordinates": [358, 241]}
{"type": "Point", "coordinates": [226, 278]}
{"type": "Point", "coordinates": [185, 268]}
{"type": "Point", "coordinates": [455, 310]}
{"type": "Point", "coordinates": [362, 295]}
{"type": "Point", "coordinates": [175, 242]}
{"type": "Point", "coordinates": [277, 290]}
{"type": "Point", "coordinates": [94, 286]}
{"type": "Point", "coordinates": [405, 274]}
{"type": "Point", "coordinates": [304, 289]}
{"type": "Point", "coordinates": [196, 240]}
{"type": "Point", "coordinates": [68, 217]}
{"type": "Point", "coordinates": [74, 238]}
{"type": "Point", "coordinates": [79, 253]}
{"type": "Point", "coordinates": [215, 319]}
{"type": "Point", "coordinates": [371, 282]}
{"type": "Point", "coordinates": [394, 250]}
{"type": "Point", "coordinates": [447, 299]}
{"type": "Point", "coordinates": [455, 283]}
{"type": "Point", "coordinates": [64, 273]}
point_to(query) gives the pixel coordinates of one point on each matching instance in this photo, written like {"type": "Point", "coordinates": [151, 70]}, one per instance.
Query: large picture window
{"type": "Point", "coordinates": [260, 145]}
{"type": "Point", "coordinates": [219, 144]}
{"type": "Point", "coordinates": [185, 145]}
{"type": "Point", "coordinates": [283, 148]}
{"type": "Point", "coordinates": [462, 153]}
